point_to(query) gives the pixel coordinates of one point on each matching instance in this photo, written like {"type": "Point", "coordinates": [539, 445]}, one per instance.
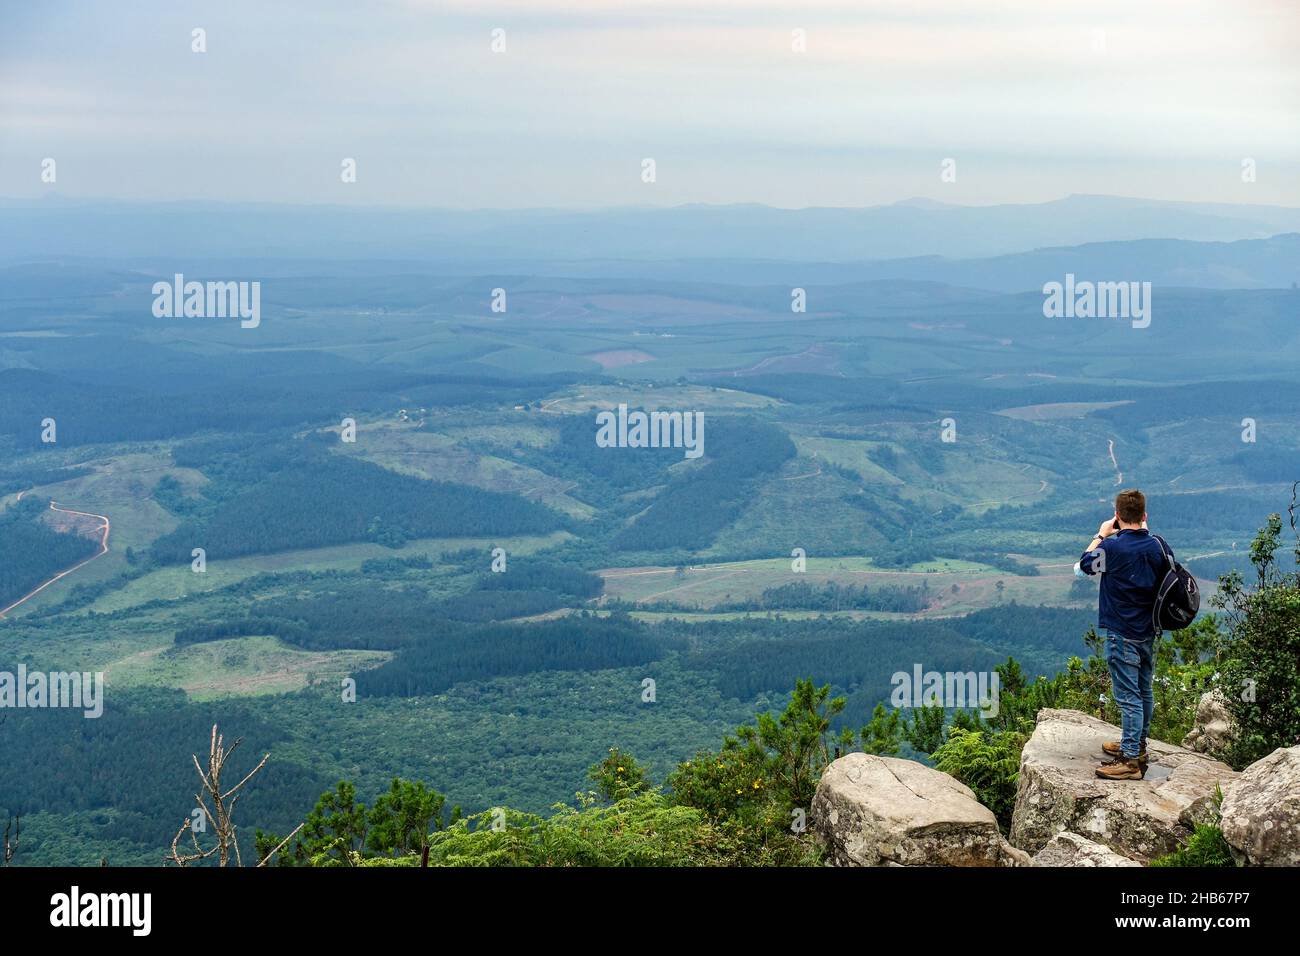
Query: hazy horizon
{"type": "Point", "coordinates": [917, 201]}
{"type": "Point", "coordinates": [861, 108]}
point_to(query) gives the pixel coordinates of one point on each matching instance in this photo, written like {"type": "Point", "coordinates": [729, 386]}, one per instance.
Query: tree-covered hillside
{"type": "Point", "coordinates": [31, 552]}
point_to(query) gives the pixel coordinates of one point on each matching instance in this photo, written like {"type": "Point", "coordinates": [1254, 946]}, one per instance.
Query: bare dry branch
{"type": "Point", "coordinates": [220, 815]}
{"type": "Point", "coordinates": [11, 846]}
{"type": "Point", "coordinates": [236, 787]}
{"type": "Point", "coordinates": [282, 844]}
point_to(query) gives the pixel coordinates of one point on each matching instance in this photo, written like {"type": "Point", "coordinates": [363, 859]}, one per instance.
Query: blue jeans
{"type": "Point", "coordinates": [1131, 663]}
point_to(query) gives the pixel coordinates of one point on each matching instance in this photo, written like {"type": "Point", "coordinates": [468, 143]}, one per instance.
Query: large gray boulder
{"type": "Point", "coordinates": [882, 811]}
{"type": "Point", "coordinates": [1058, 790]}
{"type": "Point", "coordinates": [1213, 728]}
{"type": "Point", "coordinates": [1070, 849]}
{"type": "Point", "coordinates": [1261, 811]}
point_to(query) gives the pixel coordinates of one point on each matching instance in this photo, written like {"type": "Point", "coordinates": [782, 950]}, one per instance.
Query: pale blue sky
{"type": "Point", "coordinates": [1035, 99]}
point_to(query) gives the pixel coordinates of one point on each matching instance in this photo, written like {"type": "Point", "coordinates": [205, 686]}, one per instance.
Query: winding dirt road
{"type": "Point", "coordinates": [103, 550]}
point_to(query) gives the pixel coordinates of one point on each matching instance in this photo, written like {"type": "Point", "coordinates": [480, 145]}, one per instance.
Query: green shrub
{"type": "Point", "coordinates": [1207, 847]}
{"type": "Point", "coordinates": [988, 763]}
{"type": "Point", "coordinates": [644, 830]}
{"type": "Point", "coordinates": [724, 785]}
{"type": "Point", "coordinates": [619, 776]}
{"type": "Point", "coordinates": [1261, 670]}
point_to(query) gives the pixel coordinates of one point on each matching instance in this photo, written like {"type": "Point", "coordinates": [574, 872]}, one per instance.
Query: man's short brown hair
{"type": "Point", "coordinates": [1130, 506]}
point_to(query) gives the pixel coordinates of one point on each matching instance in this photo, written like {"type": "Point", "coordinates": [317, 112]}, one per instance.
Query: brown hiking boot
{"type": "Point", "coordinates": [1111, 748]}
{"type": "Point", "coordinates": [1122, 769]}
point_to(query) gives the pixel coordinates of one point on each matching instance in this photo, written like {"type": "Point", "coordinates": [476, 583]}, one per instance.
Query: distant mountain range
{"type": "Point", "coordinates": [488, 238]}
{"type": "Point", "coordinates": [1272, 263]}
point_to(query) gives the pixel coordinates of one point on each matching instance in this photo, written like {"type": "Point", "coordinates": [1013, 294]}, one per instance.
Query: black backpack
{"type": "Point", "coordinates": [1178, 598]}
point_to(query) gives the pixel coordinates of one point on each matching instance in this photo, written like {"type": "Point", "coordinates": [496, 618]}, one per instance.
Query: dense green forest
{"type": "Point", "coordinates": [860, 657]}
{"type": "Point", "coordinates": [31, 552]}
{"type": "Point", "coordinates": [318, 499]}
{"type": "Point", "coordinates": [100, 767]}
{"type": "Point", "coordinates": [457, 653]}
{"type": "Point", "coordinates": [602, 478]}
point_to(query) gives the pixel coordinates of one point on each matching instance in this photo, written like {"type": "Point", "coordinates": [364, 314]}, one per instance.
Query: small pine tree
{"type": "Point", "coordinates": [619, 776]}
{"type": "Point", "coordinates": [925, 729]}
{"type": "Point", "coordinates": [883, 735]}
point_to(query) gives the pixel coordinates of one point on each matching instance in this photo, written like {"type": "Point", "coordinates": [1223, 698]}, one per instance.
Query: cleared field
{"type": "Point", "coordinates": [522, 428]}
{"type": "Point", "coordinates": [403, 448]}
{"type": "Point", "coordinates": [667, 306]}
{"type": "Point", "coordinates": [817, 359]}
{"type": "Point", "coordinates": [595, 398]}
{"type": "Point", "coordinates": [119, 488]}
{"type": "Point", "coordinates": [848, 453]}
{"type": "Point", "coordinates": [803, 507]}
{"type": "Point", "coordinates": [170, 584]}
{"type": "Point", "coordinates": [537, 361]}
{"type": "Point", "coordinates": [981, 482]}
{"type": "Point", "coordinates": [616, 358]}
{"type": "Point", "coordinates": [238, 667]}
{"type": "Point", "coordinates": [1054, 410]}
{"type": "Point", "coordinates": [652, 617]}
{"type": "Point", "coordinates": [956, 587]}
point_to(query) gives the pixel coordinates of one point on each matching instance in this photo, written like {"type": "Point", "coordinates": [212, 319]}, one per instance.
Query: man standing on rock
{"type": "Point", "coordinates": [1131, 563]}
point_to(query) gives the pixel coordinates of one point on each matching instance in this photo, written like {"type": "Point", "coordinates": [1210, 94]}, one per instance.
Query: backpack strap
{"type": "Point", "coordinates": [1161, 589]}
{"type": "Point", "coordinates": [1169, 556]}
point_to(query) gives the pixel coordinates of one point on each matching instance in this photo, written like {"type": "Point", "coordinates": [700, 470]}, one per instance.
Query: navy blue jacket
{"type": "Point", "coordinates": [1134, 567]}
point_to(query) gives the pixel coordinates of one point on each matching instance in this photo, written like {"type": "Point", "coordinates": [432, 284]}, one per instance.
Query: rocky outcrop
{"type": "Point", "coordinates": [1261, 811]}
{"type": "Point", "coordinates": [882, 811]}
{"type": "Point", "coordinates": [1213, 729]}
{"type": "Point", "coordinates": [1070, 849]}
{"type": "Point", "coordinates": [1138, 819]}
